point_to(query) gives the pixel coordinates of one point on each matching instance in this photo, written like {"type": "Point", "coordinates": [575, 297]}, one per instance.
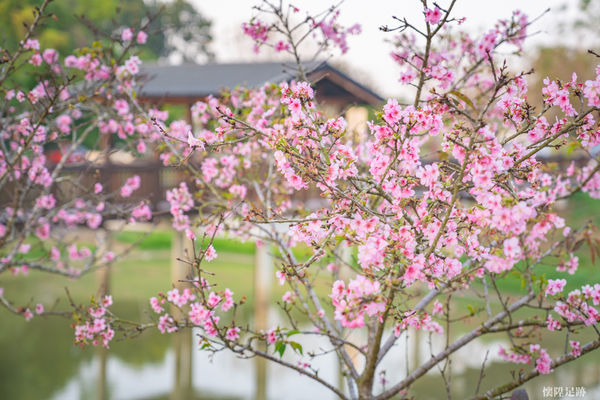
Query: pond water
{"type": "Point", "coordinates": [39, 361]}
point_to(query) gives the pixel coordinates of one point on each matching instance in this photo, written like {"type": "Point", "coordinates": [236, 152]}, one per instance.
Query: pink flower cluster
{"type": "Point", "coordinates": [258, 31]}
{"type": "Point", "coordinates": [543, 361]}
{"type": "Point", "coordinates": [181, 201]}
{"type": "Point", "coordinates": [421, 322]}
{"type": "Point", "coordinates": [555, 286]}
{"type": "Point", "coordinates": [131, 185]}
{"type": "Point", "coordinates": [96, 329]}
{"type": "Point", "coordinates": [293, 179]}
{"type": "Point", "coordinates": [577, 305]}
{"type": "Point", "coordinates": [338, 34]}
{"type": "Point", "coordinates": [141, 212]}
{"type": "Point", "coordinates": [352, 303]}
{"type": "Point", "coordinates": [166, 324]}
{"type": "Point", "coordinates": [433, 16]}
{"type": "Point", "coordinates": [592, 90]}
{"type": "Point", "coordinates": [128, 33]}
{"type": "Point", "coordinates": [210, 253]}
{"type": "Point", "coordinates": [557, 96]}
{"type": "Point", "coordinates": [180, 299]}
{"type": "Point", "coordinates": [202, 310]}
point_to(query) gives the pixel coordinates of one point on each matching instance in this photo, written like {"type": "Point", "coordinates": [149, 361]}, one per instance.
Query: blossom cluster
{"type": "Point", "coordinates": [95, 328]}
{"type": "Point", "coordinates": [356, 301]}
{"type": "Point", "coordinates": [200, 310]}
{"type": "Point", "coordinates": [330, 29]}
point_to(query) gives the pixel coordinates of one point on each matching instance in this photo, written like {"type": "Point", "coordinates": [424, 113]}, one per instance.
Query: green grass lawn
{"type": "Point", "coordinates": [582, 207]}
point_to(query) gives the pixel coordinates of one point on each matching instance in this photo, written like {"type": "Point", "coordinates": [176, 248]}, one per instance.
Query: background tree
{"type": "Point", "coordinates": [78, 98]}
{"type": "Point", "coordinates": [179, 31]}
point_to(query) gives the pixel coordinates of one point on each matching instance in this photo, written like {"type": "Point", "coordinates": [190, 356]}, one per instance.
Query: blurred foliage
{"type": "Point", "coordinates": [559, 63]}
{"type": "Point", "coordinates": [589, 16]}
{"type": "Point", "coordinates": [179, 31]}
{"type": "Point", "coordinates": [578, 24]}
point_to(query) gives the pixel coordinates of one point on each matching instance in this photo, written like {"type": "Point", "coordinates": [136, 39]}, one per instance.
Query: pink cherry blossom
{"type": "Point", "coordinates": [127, 34]}
{"type": "Point", "coordinates": [141, 37]}
{"type": "Point", "coordinates": [433, 16]}
{"type": "Point", "coordinates": [130, 186]}
{"type": "Point", "coordinates": [210, 253]}
{"type": "Point", "coordinates": [233, 333]}
{"type": "Point", "coordinates": [555, 286]}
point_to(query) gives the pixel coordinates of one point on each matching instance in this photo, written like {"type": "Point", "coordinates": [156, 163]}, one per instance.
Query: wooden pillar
{"type": "Point", "coordinates": [416, 348]}
{"type": "Point", "coordinates": [356, 118]}
{"type": "Point", "coordinates": [263, 277]}
{"type": "Point", "coordinates": [103, 278]}
{"type": "Point", "coordinates": [103, 238]}
{"type": "Point", "coordinates": [188, 116]}
{"type": "Point", "coordinates": [346, 273]}
{"type": "Point", "coordinates": [181, 248]}
{"type": "Point", "coordinates": [103, 273]}
{"type": "Point", "coordinates": [182, 348]}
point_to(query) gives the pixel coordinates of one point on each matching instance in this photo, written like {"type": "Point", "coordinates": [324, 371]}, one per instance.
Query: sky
{"type": "Point", "coordinates": [368, 59]}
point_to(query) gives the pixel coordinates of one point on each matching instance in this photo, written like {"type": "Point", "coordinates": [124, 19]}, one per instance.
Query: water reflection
{"type": "Point", "coordinates": [101, 385]}
{"type": "Point", "coordinates": [183, 365]}
{"type": "Point", "coordinates": [222, 377]}
{"type": "Point", "coordinates": [227, 377]}
{"type": "Point", "coordinates": [145, 368]}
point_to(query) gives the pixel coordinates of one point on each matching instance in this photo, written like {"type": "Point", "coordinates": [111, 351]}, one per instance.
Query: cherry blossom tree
{"type": "Point", "coordinates": [67, 119]}
{"type": "Point", "coordinates": [444, 196]}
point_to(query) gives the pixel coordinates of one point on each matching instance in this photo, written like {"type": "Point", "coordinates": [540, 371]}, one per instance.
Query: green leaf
{"type": "Point", "coordinates": [462, 97]}
{"type": "Point", "coordinates": [280, 348]}
{"type": "Point", "coordinates": [471, 309]}
{"type": "Point", "coordinates": [292, 332]}
{"type": "Point", "coordinates": [572, 146]}
{"type": "Point", "coordinates": [297, 347]}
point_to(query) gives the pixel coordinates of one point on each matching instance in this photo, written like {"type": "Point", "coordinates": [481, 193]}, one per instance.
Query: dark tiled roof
{"type": "Point", "coordinates": [199, 80]}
